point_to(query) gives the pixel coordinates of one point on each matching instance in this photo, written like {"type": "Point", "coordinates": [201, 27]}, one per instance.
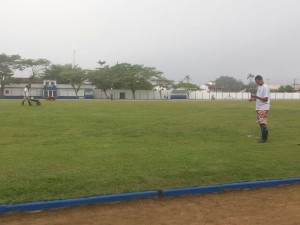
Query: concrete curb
{"type": "Point", "coordinates": [231, 186]}
{"type": "Point", "coordinates": [33, 206]}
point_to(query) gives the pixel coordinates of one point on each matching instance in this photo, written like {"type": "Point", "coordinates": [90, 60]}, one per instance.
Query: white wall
{"type": "Point", "coordinates": [151, 95]}
{"type": "Point", "coordinates": [70, 92]}
{"type": "Point", "coordinates": [204, 95]}
{"type": "Point", "coordinates": [139, 94]}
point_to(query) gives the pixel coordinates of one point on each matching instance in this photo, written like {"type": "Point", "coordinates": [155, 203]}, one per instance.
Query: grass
{"type": "Point", "coordinates": [77, 148]}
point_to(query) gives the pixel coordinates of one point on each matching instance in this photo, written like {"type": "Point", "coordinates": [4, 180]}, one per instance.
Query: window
{"type": "Point", "coordinates": [6, 92]}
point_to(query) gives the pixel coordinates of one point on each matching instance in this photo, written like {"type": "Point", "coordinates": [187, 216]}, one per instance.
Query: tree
{"type": "Point", "coordinates": [229, 84]}
{"type": "Point", "coordinates": [161, 82]}
{"type": "Point", "coordinates": [287, 88]}
{"type": "Point", "coordinates": [102, 78]}
{"type": "Point", "coordinates": [36, 66]}
{"type": "Point", "coordinates": [8, 64]}
{"type": "Point", "coordinates": [250, 77]}
{"type": "Point", "coordinates": [127, 76]}
{"type": "Point", "coordinates": [187, 86]}
{"type": "Point", "coordinates": [54, 72]}
{"type": "Point", "coordinates": [187, 78]}
{"type": "Point", "coordinates": [133, 77]}
{"type": "Point", "coordinates": [251, 87]}
{"type": "Point", "coordinates": [101, 63]}
{"type": "Point", "coordinates": [75, 76]}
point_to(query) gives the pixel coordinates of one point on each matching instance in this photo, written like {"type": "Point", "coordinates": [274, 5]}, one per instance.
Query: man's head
{"type": "Point", "coordinates": [259, 80]}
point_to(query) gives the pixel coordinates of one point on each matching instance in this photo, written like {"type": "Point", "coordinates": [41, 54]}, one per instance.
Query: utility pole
{"type": "Point", "coordinates": [74, 51]}
{"type": "Point", "coordinates": [294, 84]}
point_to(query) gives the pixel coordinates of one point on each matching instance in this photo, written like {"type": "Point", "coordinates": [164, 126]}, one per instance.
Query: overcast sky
{"type": "Point", "coordinates": [205, 39]}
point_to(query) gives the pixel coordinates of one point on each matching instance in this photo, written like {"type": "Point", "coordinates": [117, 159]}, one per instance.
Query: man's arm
{"type": "Point", "coordinates": [264, 99]}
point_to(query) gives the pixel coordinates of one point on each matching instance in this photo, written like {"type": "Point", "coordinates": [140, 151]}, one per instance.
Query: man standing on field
{"type": "Point", "coordinates": [262, 99]}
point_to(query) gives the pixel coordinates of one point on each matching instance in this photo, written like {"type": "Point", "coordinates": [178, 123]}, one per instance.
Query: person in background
{"type": "Point", "coordinates": [26, 95]}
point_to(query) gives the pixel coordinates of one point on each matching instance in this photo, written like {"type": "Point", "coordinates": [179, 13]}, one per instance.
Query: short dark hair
{"type": "Point", "coordinates": [258, 77]}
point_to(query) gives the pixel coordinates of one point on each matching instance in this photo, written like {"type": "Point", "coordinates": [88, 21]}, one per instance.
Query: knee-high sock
{"type": "Point", "coordinates": [264, 133]}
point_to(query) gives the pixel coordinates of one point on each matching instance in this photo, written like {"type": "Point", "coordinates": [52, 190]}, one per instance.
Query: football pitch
{"type": "Point", "coordinates": [78, 148]}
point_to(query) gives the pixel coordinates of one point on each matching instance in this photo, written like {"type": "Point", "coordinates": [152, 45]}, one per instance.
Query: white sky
{"type": "Point", "coordinates": [205, 39]}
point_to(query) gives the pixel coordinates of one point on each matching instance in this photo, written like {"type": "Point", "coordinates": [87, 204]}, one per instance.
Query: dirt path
{"type": "Point", "coordinates": [265, 206]}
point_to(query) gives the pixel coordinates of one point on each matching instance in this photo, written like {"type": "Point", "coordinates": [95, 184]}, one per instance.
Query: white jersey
{"type": "Point", "coordinates": [263, 91]}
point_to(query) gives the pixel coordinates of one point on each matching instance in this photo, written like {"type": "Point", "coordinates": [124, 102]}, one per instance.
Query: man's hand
{"type": "Point", "coordinates": [253, 98]}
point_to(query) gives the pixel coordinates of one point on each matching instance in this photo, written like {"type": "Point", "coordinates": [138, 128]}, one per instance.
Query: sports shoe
{"type": "Point", "coordinates": [260, 140]}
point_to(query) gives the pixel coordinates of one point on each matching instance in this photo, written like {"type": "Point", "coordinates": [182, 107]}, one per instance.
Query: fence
{"type": "Point", "coordinates": [194, 95]}
{"type": "Point", "coordinates": [69, 93]}
{"type": "Point", "coordinates": [204, 95]}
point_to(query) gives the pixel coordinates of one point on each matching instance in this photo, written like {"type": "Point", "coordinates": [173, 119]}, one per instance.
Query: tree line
{"type": "Point", "coordinates": [119, 76]}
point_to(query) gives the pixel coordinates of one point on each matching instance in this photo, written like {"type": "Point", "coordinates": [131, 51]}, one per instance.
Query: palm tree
{"type": "Point", "coordinates": [250, 77]}
{"type": "Point", "coordinates": [101, 63]}
{"type": "Point", "coordinates": [187, 78]}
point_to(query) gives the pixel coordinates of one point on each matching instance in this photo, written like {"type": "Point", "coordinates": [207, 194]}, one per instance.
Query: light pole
{"type": "Point", "coordinates": [74, 51]}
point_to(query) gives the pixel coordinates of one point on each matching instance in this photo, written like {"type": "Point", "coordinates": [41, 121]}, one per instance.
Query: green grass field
{"type": "Point", "coordinates": [77, 148]}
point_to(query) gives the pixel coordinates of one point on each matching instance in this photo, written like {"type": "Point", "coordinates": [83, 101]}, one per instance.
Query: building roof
{"type": "Point", "coordinates": [41, 86]}
{"type": "Point", "coordinates": [23, 85]}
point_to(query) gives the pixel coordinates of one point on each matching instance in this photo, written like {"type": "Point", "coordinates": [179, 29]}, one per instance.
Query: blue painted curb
{"type": "Point", "coordinates": [231, 186]}
{"type": "Point", "coordinates": [33, 206]}
{"type": "Point", "coordinates": [2, 207]}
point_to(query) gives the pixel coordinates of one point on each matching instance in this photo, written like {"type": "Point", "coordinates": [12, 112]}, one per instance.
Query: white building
{"type": "Point", "coordinates": [48, 89]}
